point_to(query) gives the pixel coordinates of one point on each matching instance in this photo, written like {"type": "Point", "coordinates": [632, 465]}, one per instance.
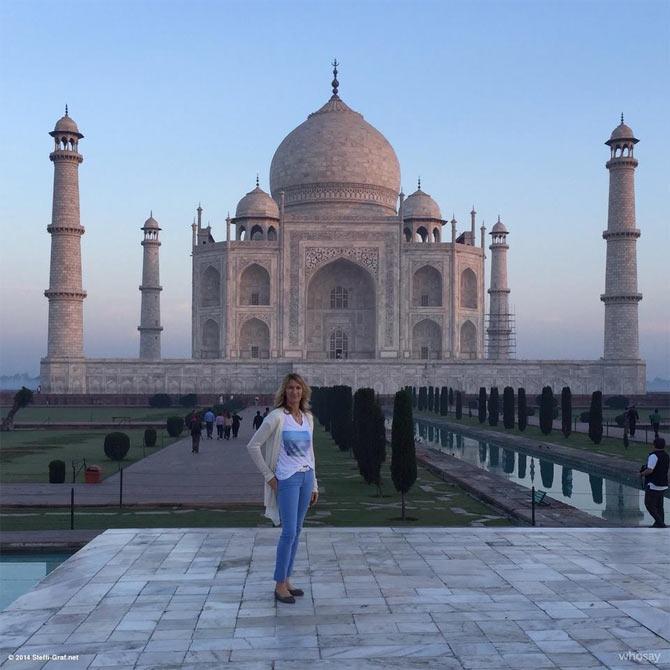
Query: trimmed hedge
{"type": "Point", "coordinates": [56, 472]}
{"type": "Point", "coordinates": [116, 446]}
{"type": "Point", "coordinates": [150, 437]}
{"type": "Point", "coordinates": [160, 400]}
{"type": "Point", "coordinates": [174, 426]}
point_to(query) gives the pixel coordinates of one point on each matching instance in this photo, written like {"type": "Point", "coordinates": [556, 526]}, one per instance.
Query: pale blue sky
{"type": "Point", "coordinates": [502, 104]}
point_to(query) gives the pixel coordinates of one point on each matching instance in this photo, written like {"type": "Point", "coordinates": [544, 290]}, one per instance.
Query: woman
{"type": "Point", "coordinates": [219, 426]}
{"type": "Point", "coordinates": [227, 423]}
{"type": "Point", "coordinates": [287, 465]}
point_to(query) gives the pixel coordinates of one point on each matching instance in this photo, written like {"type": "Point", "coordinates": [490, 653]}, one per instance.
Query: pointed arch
{"type": "Point", "coordinates": [468, 289]}
{"type": "Point", "coordinates": [211, 339]}
{"type": "Point", "coordinates": [468, 340]}
{"type": "Point", "coordinates": [427, 340]}
{"type": "Point", "coordinates": [255, 285]}
{"type": "Point", "coordinates": [421, 234]}
{"type": "Point", "coordinates": [257, 233]}
{"type": "Point", "coordinates": [427, 287]}
{"type": "Point", "coordinates": [211, 287]}
{"type": "Point", "coordinates": [338, 344]}
{"type": "Point", "coordinates": [272, 233]}
{"type": "Point", "coordinates": [254, 339]}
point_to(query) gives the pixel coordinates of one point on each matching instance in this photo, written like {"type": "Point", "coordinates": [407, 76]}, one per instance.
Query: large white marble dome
{"type": "Point", "coordinates": [336, 162]}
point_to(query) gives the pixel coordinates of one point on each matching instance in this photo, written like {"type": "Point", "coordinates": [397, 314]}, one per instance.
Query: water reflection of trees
{"type": "Point", "coordinates": [431, 433]}
{"type": "Point", "coordinates": [596, 489]}
{"type": "Point", "coordinates": [522, 466]}
{"type": "Point", "coordinates": [444, 439]}
{"type": "Point", "coordinates": [566, 482]}
{"type": "Point", "coordinates": [494, 456]}
{"type": "Point", "coordinates": [508, 461]}
{"type": "Point", "coordinates": [482, 451]}
{"type": "Point", "coordinates": [547, 473]}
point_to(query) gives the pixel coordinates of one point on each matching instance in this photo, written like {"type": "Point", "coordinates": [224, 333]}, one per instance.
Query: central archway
{"type": "Point", "coordinates": [341, 297]}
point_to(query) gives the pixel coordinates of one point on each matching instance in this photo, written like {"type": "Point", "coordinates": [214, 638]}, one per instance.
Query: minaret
{"type": "Point", "coordinates": [150, 315]}
{"type": "Point", "coordinates": [65, 293]}
{"type": "Point", "coordinates": [621, 296]}
{"type": "Point", "coordinates": [500, 326]}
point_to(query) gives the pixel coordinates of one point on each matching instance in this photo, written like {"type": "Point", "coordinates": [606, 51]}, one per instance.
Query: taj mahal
{"type": "Point", "coordinates": [338, 275]}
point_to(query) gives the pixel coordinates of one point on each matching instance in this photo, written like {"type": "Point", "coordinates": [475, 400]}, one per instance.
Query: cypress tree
{"type": "Point", "coordinates": [414, 397]}
{"type": "Point", "coordinates": [363, 400]}
{"type": "Point", "coordinates": [451, 396]}
{"type": "Point", "coordinates": [371, 433]}
{"type": "Point", "coordinates": [436, 400]}
{"type": "Point", "coordinates": [459, 405]}
{"type": "Point", "coordinates": [508, 407]}
{"type": "Point", "coordinates": [566, 411]}
{"type": "Point", "coordinates": [494, 409]}
{"type": "Point", "coordinates": [403, 453]}
{"type": "Point", "coordinates": [423, 398]}
{"type": "Point", "coordinates": [431, 398]}
{"type": "Point", "coordinates": [482, 405]}
{"type": "Point", "coordinates": [596, 417]}
{"type": "Point", "coordinates": [444, 401]}
{"type": "Point", "coordinates": [522, 409]}
{"type": "Point", "coordinates": [546, 410]}
{"type": "Point", "coordinates": [341, 422]}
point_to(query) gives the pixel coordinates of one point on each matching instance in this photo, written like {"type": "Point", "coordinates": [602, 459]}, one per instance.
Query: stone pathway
{"type": "Point", "coordinates": [201, 599]}
{"type": "Point", "coordinates": [221, 474]}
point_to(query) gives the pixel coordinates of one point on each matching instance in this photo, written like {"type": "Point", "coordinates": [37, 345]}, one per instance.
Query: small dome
{"type": "Point", "coordinates": [66, 125]}
{"type": "Point", "coordinates": [498, 227]}
{"type": "Point", "coordinates": [622, 132]}
{"type": "Point", "coordinates": [420, 205]}
{"type": "Point", "coordinates": [257, 204]}
{"type": "Point", "coordinates": [151, 223]}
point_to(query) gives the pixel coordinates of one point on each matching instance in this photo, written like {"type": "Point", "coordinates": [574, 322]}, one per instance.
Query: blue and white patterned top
{"type": "Point", "coordinates": [297, 452]}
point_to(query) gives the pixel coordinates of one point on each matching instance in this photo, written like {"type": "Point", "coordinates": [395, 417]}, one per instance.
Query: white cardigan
{"type": "Point", "coordinates": [264, 447]}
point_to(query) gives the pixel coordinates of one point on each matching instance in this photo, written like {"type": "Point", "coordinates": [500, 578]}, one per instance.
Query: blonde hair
{"type": "Point", "coordinates": [280, 396]}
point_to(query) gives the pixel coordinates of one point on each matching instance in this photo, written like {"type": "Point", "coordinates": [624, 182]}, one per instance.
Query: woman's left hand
{"type": "Point", "coordinates": [314, 498]}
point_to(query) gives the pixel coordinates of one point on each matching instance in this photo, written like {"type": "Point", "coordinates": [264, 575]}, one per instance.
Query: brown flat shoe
{"type": "Point", "coordinates": [288, 600]}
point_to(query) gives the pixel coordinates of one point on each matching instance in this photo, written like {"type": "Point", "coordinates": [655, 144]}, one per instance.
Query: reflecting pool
{"type": "Point", "coordinates": [19, 572]}
{"type": "Point", "coordinates": [620, 500]}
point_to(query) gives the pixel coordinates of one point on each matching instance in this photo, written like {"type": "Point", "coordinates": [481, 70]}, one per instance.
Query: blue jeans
{"type": "Point", "coordinates": [293, 496]}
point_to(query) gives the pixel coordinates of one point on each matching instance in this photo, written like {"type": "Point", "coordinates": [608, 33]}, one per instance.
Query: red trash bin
{"type": "Point", "coordinates": [93, 474]}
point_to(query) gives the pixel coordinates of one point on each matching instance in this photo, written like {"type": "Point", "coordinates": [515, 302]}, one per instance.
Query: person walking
{"type": "Point", "coordinates": [219, 426]}
{"type": "Point", "coordinates": [258, 420]}
{"type": "Point", "coordinates": [283, 451]}
{"type": "Point", "coordinates": [195, 427]}
{"type": "Point", "coordinates": [655, 473]}
{"type": "Point", "coordinates": [236, 424]}
{"type": "Point", "coordinates": [633, 418]}
{"type": "Point", "coordinates": [227, 423]}
{"type": "Point", "coordinates": [209, 423]}
{"type": "Point", "coordinates": [655, 421]}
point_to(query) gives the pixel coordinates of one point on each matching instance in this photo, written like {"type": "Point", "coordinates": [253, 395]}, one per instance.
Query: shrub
{"type": "Point", "coordinates": [522, 409]}
{"type": "Point", "coordinates": [530, 411]}
{"type": "Point", "coordinates": [494, 407]}
{"type": "Point", "coordinates": [116, 446]}
{"type": "Point", "coordinates": [150, 437]}
{"type": "Point", "coordinates": [617, 402]}
{"type": "Point", "coordinates": [620, 419]}
{"type": "Point", "coordinates": [508, 407]}
{"type": "Point", "coordinates": [596, 417]}
{"type": "Point", "coordinates": [160, 400]}
{"type": "Point", "coordinates": [584, 416]}
{"type": "Point", "coordinates": [188, 400]}
{"type": "Point", "coordinates": [482, 405]}
{"type": "Point", "coordinates": [174, 426]}
{"type": "Point", "coordinates": [56, 472]}
{"type": "Point", "coordinates": [566, 411]}
{"type": "Point", "coordinates": [546, 410]}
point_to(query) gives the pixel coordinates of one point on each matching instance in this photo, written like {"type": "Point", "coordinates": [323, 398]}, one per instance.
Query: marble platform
{"type": "Point", "coordinates": [375, 598]}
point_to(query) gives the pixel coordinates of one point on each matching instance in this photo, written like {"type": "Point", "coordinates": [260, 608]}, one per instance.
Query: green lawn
{"type": "Point", "coordinates": [55, 414]}
{"type": "Point", "coordinates": [345, 501]}
{"type": "Point", "coordinates": [25, 454]}
{"type": "Point", "coordinates": [612, 446]}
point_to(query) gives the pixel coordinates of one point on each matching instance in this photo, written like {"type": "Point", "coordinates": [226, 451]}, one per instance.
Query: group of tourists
{"type": "Point", "coordinates": [631, 418]}
{"type": "Point", "coordinates": [225, 422]}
